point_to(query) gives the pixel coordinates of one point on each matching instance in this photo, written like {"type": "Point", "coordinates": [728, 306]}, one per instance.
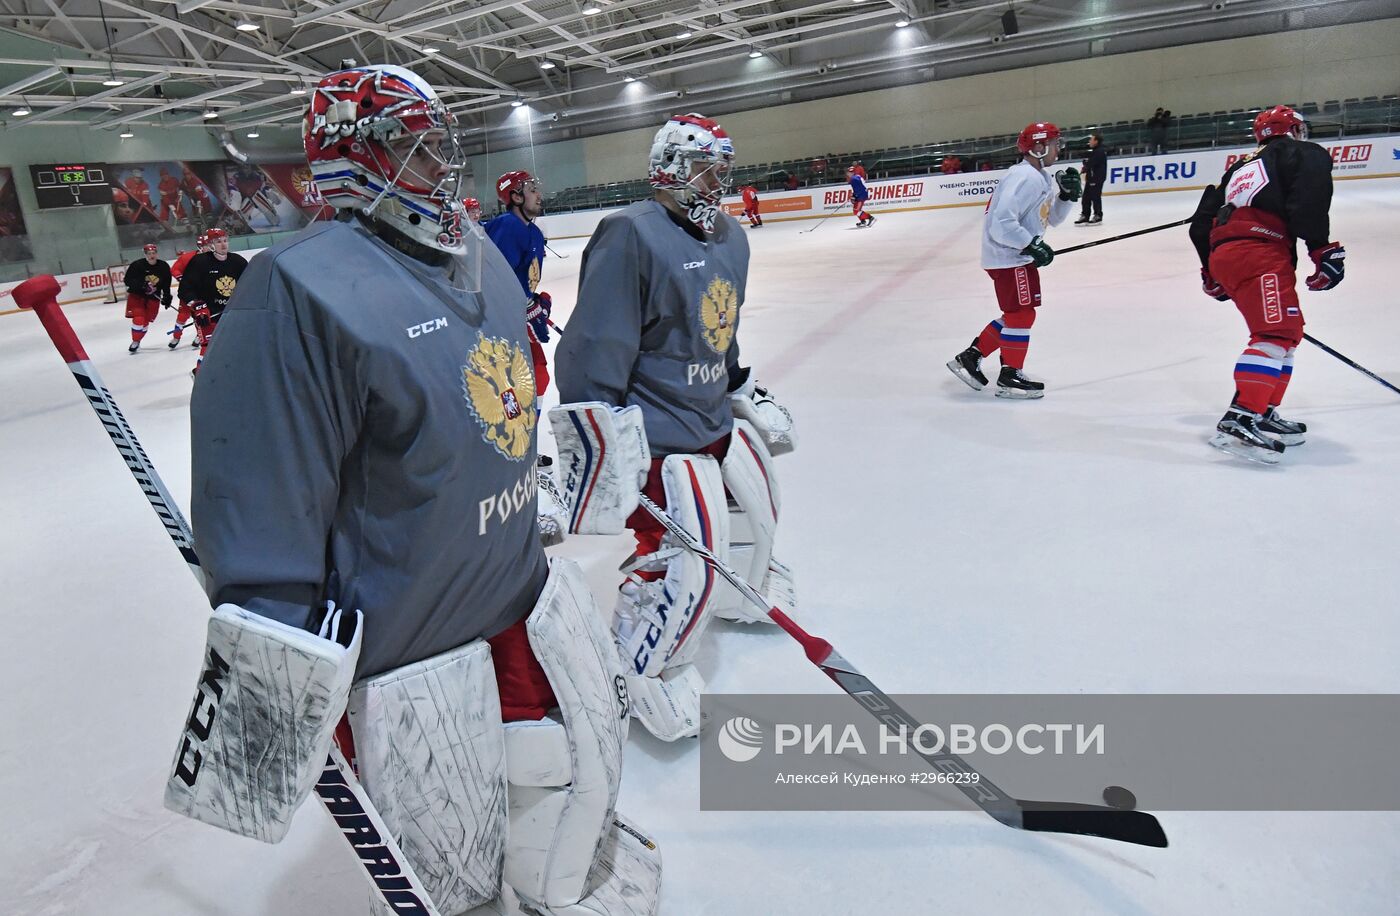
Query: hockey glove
{"type": "Point", "coordinates": [1040, 253]}
{"type": "Point", "coordinates": [202, 319]}
{"type": "Point", "coordinates": [165, 299]}
{"type": "Point", "coordinates": [537, 314]}
{"type": "Point", "coordinates": [1068, 180]}
{"type": "Point", "coordinates": [1212, 288]}
{"type": "Point", "coordinates": [1331, 266]}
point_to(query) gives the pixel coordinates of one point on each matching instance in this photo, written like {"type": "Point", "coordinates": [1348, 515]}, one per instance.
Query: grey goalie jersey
{"type": "Point", "coordinates": [656, 325]}
{"type": "Point", "coordinates": [364, 432]}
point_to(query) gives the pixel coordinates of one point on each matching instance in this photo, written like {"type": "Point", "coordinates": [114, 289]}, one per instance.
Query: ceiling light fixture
{"type": "Point", "coordinates": [126, 134]}
{"type": "Point", "coordinates": [252, 134]}
{"type": "Point", "coordinates": [299, 90]}
{"type": "Point", "coordinates": [246, 25]}
{"type": "Point", "coordinates": [901, 22]}
{"type": "Point", "coordinates": [629, 79]}
{"type": "Point", "coordinates": [516, 103]}
{"type": "Point", "coordinates": [431, 49]}
{"type": "Point", "coordinates": [546, 65]}
{"type": "Point", "coordinates": [113, 81]}
{"type": "Point", "coordinates": [755, 53]}
{"type": "Point", "coordinates": [21, 111]}
{"type": "Point", "coordinates": [210, 114]}
{"type": "Point", "coordinates": [683, 35]}
{"type": "Point", "coordinates": [592, 10]}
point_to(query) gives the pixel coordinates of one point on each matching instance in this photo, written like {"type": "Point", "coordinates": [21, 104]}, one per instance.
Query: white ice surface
{"type": "Point", "coordinates": [943, 540]}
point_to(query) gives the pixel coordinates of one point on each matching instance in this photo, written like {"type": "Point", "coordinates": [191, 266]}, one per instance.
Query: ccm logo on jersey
{"type": "Point", "coordinates": [705, 372]}
{"type": "Point", "coordinates": [691, 265]}
{"type": "Point", "coordinates": [201, 721]}
{"type": "Point", "coordinates": [509, 501]}
{"type": "Point", "coordinates": [427, 327]}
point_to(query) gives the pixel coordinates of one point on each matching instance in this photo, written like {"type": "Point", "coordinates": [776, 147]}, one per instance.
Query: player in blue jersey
{"type": "Point", "coordinates": [859, 195]}
{"type": "Point", "coordinates": [522, 243]}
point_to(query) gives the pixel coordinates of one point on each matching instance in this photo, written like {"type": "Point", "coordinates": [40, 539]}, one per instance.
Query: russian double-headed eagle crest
{"type": "Point", "coordinates": [224, 286]}
{"type": "Point", "coordinates": [719, 313]}
{"type": "Point", "coordinates": [500, 388]}
{"type": "Point", "coordinates": [534, 274]}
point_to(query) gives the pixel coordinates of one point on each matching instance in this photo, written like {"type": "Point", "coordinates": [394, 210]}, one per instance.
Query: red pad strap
{"type": "Point", "coordinates": [41, 294]}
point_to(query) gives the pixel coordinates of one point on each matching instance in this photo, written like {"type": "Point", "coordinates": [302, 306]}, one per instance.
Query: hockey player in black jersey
{"type": "Point", "coordinates": [1246, 232]}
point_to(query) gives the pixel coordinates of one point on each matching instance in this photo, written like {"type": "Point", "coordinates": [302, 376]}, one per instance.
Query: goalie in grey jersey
{"type": "Point", "coordinates": [364, 482]}
{"type": "Point", "coordinates": [654, 399]}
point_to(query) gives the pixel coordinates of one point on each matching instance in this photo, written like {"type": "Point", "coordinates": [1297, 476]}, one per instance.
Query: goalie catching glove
{"type": "Point", "coordinates": [772, 420]}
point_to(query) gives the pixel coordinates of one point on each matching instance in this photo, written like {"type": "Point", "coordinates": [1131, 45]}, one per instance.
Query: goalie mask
{"type": "Point", "coordinates": [379, 140]}
{"type": "Point", "coordinates": [692, 157]}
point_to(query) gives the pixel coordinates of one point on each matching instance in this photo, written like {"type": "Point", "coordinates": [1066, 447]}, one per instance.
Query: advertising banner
{"type": "Point", "coordinates": [14, 237]}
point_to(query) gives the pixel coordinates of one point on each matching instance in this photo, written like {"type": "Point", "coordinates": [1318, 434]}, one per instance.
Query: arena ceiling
{"type": "Point", "coordinates": [581, 66]}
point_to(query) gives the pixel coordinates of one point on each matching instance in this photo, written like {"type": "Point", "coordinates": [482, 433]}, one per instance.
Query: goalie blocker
{"type": "Point", "coordinates": [470, 801]}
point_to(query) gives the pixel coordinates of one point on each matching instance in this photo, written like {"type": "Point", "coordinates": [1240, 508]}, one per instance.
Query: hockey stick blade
{"type": "Point", "coordinates": [338, 788]}
{"type": "Point", "coordinates": [1107, 823]}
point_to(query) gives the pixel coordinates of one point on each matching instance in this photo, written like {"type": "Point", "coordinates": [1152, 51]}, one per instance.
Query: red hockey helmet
{"type": "Point", "coordinates": [514, 183]}
{"type": "Point", "coordinates": [363, 128]}
{"type": "Point", "coordinates": [1280, 121]}
{"type": "Point", "coordinates": [1041, 133]}
{"type": "Point", "coordinates": [201, 243]}
{"type": "Point", "coordinates": [214, 234]}
{"type": "Point", "coordinates": [471, 203]}
{"type": "Point", "coordinates": [149, 246]}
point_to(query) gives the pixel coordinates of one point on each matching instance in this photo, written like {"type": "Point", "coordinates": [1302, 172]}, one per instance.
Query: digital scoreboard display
{"type": "Point", "coordinates": [71, 184]}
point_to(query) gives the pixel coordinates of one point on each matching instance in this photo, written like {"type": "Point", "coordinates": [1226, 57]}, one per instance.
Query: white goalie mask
{"type": "Point", "coordinates": [692, 157]}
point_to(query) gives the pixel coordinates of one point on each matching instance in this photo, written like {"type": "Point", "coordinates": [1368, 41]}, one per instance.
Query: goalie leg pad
{"type": "Point", "coordinates": [261, 724]}
{"type": "Point", "coordinates": [658, 624]}
{"type": "Point", "coordinates": [669, 703]}
{"type": "Point", "coordinates": [603, 463]}
{"type": "Point", "coordinates": [756, 503]}
{"type": "Point", "coordinates": [432, 758]}
{"type": "Point", "coordinates": [626, 880]}
{"type": "Point", "coordinates": [564, 770]}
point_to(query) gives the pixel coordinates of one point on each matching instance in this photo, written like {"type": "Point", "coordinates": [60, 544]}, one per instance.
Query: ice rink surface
{"type": "Point", "coordinates": [944, 540]}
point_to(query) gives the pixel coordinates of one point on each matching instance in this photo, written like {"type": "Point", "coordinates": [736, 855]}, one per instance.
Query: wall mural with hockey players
{"type": "Point", "coordinates": [14, 237]}
{"type": "Point", "coordinates": [172, 199]}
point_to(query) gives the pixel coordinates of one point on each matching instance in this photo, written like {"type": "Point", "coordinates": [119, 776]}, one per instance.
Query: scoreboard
{"type": "Point", "coordinates": [71, 184]}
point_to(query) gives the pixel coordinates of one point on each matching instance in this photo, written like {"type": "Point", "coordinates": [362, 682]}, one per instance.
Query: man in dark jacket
{"type": "Point", "coordinates": [1095, 175]}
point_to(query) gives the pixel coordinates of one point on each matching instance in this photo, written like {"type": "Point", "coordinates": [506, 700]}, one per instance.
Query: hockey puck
{"type": "Point", "coordinates": [1119, 797]}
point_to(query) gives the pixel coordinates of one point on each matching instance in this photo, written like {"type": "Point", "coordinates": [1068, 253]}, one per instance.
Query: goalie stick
{"type": "Point", "coordinates": [337, 787]}
{"type": "Point", "coordinates": [1054, 817]}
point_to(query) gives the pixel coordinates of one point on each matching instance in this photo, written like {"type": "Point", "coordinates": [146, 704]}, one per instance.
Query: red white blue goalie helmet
{"type": "Point", "coordinates": [692, 157]}
{"type": "Point", "coordinates": [363, 127]}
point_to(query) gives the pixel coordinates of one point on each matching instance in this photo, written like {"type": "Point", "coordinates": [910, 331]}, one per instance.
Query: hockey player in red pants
{"type": "Point", "coordinates": [1246, 232]}
{"type": "Point", "coordinates": [1028, 201]}
{"type": "Point", "coordinates": [147, 289]}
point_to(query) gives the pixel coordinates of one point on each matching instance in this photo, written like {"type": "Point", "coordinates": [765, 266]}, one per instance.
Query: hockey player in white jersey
{"type": "Point", "coordinates": [363, 442]}
{"type": "Point", "coordinates": [653, 396]}
{"type": "Point", "coordinates": [1029, 200]}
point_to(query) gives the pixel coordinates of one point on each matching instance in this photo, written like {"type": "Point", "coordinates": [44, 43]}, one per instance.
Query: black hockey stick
{"type": "Point", "coordinates": [1355, 365]}
{"type": "Point", "coordinates": [1126, 235]}
{"type": "Point", "coordinates": [562, 257]}
{"type": "Point", "coordinates": [337, 787]}
{"type": "Point", "coordinates": [820, 221]}
{"type": "Point", "coordinates": [1126, 826]}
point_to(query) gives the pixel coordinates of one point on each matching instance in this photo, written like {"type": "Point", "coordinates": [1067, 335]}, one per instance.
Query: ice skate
{"type": "Point", "coordinates": [1012, 383]}
{"type": "Point", "coordinates": [967, 366]}
{"type": "Point", "coordinates": [1096, 220]}
{"type": "Point", "coordinates": [1289, 432]}
{"type": "Point", "coordinates": [135, 345]}
{"type": "Point", "coordinates": [1238, 433]}
{"type": "Point", "coordinates": [174, 342]}
{"type": "Point", "coordinates": [1083, 220]}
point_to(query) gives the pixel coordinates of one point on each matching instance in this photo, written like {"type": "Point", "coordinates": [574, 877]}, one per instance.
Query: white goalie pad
{"type": "Point", "coordinates": [564, 770]}
{"type": "Point", "coordinates": [264, 713]}
{"type": "Point", "coordinates": [626, 879]}
{"type": "Point", "coordinates": [755, 506]}
{"type": "Point", "coordinates": [772, 420]}
{"type": "Point", "coordinates": [658, 624]}
{"type": "Point", "coordinates": [603, 464]}
{"type": "Point", "coordinates": [431, 757]}
{"type": "Point", "coordinates": [669, 703]}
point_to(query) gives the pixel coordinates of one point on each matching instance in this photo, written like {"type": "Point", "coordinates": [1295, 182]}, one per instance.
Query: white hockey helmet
{"type": "Point", "coordinates": [691, 157]}
{"type": "Point", "coordinates": [364, 130]}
